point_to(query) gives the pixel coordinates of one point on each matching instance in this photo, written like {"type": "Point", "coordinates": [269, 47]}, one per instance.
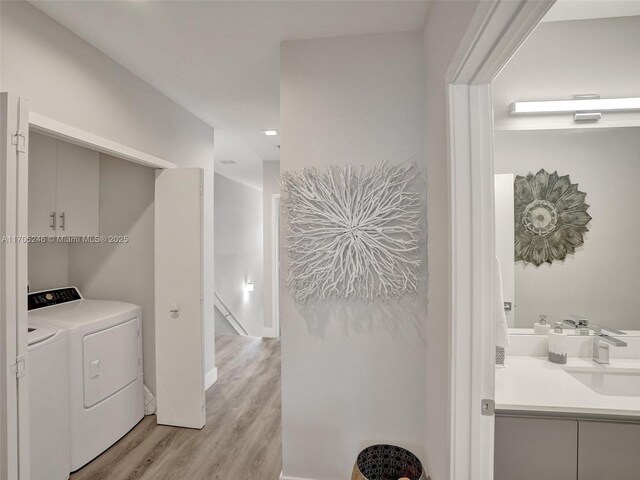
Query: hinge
{"type": "Point", "coordinates": [488, 407]}
{"type": "Point", "coordinates": [201, 189]}
{"type": "Point", "coordinates": [20, 367]}
{"type": "Point", "coordinates": [19, 139]}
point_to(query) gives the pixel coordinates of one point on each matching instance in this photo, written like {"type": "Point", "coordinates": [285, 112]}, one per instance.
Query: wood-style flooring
{"type": "Point", "coordinates": [242, 437]}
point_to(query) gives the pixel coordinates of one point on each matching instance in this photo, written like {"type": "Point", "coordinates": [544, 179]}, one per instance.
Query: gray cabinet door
{"type": "Point", "coordinates": [608, 451]}
{"type": "Point", "coordinates": [535, 449]}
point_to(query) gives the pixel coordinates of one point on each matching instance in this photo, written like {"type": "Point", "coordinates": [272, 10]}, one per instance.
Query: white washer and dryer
{"type": "Point", "coordinates": [106, 392]}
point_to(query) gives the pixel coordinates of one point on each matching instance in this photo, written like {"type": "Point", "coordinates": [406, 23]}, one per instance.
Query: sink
{"type": "Point", "coordinates": [610, 381]}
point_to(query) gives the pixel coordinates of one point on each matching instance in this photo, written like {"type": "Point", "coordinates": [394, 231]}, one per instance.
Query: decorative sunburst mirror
{"type": "Point", "coordinates": [550, 217]}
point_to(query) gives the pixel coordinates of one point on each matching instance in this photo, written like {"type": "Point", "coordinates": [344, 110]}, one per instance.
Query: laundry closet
{"type": "Point", "coordinates": [109, 240]}
{"type": "Point", "coordinates": [91, 219]}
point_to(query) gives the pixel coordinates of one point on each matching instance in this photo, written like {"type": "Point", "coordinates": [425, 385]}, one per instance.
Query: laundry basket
{"type": "Point", "coordinates": [387, 462]}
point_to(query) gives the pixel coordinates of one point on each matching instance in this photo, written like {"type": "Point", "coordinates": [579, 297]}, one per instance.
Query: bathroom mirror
{"type": "Point", "coordinates": [592, 266]}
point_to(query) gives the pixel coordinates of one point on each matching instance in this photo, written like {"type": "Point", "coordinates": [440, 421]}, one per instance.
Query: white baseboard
{"type": "Point", "coordinates": [270, 332]}
{"type": "Point", "coordinates": [283, 477]}
{"type": "Point", "coordinates": [210, 378]}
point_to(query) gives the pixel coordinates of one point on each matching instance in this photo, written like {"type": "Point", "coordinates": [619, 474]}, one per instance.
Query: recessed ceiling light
{"type": "Point", "coordinates": [227, 162]}
{"type": "Point", "coordinates": [270, 133]}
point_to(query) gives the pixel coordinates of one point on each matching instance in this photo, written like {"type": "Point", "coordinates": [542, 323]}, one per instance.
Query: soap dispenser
{"type": "Point", "coordinates": [541, 327]}
{"type": "Point", "coordinates": [558, 345]}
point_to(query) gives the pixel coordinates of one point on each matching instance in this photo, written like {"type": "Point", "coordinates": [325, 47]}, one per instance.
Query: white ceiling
{"type": "Point", "coordinates": [221, 59]}
{"type": "Point", "coordinates": [589, 9]}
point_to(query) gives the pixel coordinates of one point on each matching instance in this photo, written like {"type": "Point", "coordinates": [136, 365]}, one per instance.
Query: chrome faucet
{"type": "Point", "coordinates": [581, 324]}
{"type": "Point", "coordinates": [600, 350]}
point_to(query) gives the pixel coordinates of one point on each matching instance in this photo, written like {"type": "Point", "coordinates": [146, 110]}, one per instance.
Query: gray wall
{"type": "Point", "coordinates": [70, 81]}
{"type": "Point", "coordinates": [48, 265]}
{"type": "Point", "coordinates": [445, 26]}
{"type": "Point", "coordinates": [223, 327]}
{"type": "Point", "coordinates": [353, 373]}
{"type": "Point", "coordinates": [238, 251]}
{"type": "Point", "coordinates": [270, 186]}
{"type": "Point", "coordinates": [123, 271]}
{"type": "Point", "coordinates": [601, 280]}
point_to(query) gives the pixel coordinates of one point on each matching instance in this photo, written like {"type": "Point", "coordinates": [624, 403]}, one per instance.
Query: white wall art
{"type": "Point", "coordinates": [353, 233]}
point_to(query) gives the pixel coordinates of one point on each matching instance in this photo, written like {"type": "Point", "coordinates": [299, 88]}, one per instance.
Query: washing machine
{"type": "Point", "coordinates": [106, 393]}
{"type": "Point", "coordinates": [47, 368]}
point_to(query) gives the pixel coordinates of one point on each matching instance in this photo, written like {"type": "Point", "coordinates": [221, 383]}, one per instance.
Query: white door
{"type": "Point", "coordinates": [77, 194]}
{"type": "Point", "coordinates": [14, 402]}
{"type": "Point", "coordinates": [505, 232]}
{"type": "Point", "coordinates": [179, 293]}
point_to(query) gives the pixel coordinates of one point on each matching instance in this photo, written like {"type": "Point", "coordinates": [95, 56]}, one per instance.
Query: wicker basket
{"type": "Point", "coordinates": [387, 462]}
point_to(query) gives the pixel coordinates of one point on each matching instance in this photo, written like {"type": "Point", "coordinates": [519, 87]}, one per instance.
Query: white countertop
{"type": "Point", "coordinates": [567, 329]}
{"type": "Point", "coordinates": [533, 384]}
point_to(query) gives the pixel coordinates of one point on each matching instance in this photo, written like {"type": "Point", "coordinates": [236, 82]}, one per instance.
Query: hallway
{"type": "Point", "coordinates": [242, 437]}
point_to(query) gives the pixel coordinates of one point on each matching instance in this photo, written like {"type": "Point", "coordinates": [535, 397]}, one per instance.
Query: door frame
{"type": "Point", "coordinates": [275, 264]}
{"type": "Point", "coordinates": [14, 391]}
{"type": "Point", "coordinates": [495, 33]}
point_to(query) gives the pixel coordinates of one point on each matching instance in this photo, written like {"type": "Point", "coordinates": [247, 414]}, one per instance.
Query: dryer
{"type": "Point", "coordinates": [105, 366]}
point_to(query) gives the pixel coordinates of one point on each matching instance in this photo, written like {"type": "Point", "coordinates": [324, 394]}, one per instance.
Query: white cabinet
{"type": "Point", "coordinates": [42, 185]}
{"type": "Point", "coordinates": [63, 188]}
{"type": "Point", "coordinates": [78, 190]}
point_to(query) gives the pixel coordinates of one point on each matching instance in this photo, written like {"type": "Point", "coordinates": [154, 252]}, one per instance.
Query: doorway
{"type": "Point", "coordinates": [571, 278]}
{"type": "Point", "coordinates": [495, 33]}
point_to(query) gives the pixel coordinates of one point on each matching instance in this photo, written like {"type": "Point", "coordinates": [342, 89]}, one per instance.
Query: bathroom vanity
{"type": "Point", "coordinates": [563, 422]}
{"type": "Point", "coordinates": [557, 448]}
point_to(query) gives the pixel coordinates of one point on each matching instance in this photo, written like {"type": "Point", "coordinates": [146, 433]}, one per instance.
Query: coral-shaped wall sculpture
{"type": "Point", "coordinates": [353, 233]}
{"type": "Point", "coordinates": [550, 217]}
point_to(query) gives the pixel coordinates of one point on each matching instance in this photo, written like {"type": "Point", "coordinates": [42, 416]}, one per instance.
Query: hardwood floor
{"type": "Point", "coordinates": [242, 437]}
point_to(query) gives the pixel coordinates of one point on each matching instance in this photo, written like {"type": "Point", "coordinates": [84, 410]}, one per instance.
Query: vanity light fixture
{"type": "Point", "coordinates": [584, 107]}
{"type": "Point", "coordinates": [270, 133]}
{"type": "Point", "coordinates": [248, 286]}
